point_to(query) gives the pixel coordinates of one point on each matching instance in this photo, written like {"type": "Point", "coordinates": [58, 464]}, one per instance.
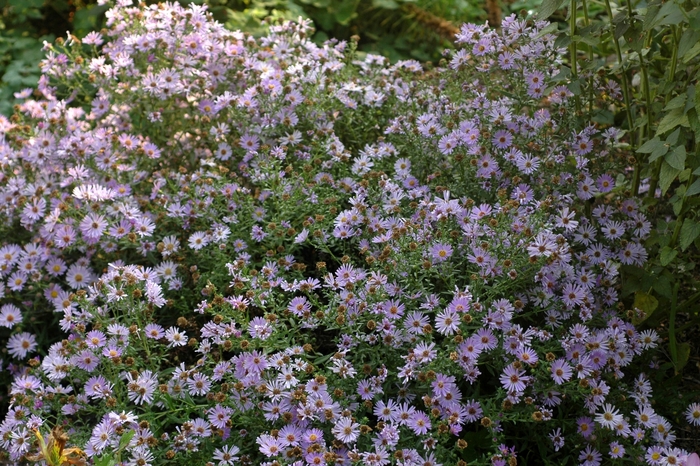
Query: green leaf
{"type": "Point", "coordinates": [667, 175]}
{"type": "Point", "coordinates": [676, 159]}
{"type": "Point", "coordinates": [690, 54]}
{"type": "Point", "coordinates": [650, 146]}
{"type": "Point", "coordinates": [548, 7]}
{"type": "Point", "coordinates": [683, 355]}
{"type": "Point", "coordinates": [673, 137]}
{"type": "Point", "coordinates": [689, 39]}
{"type": "Point", "coordinates": [694, 188]}
{"type": "Point", "coordinates": [386, 4]}
{"type": "Point", "coordinates": [667, 255]}
{"type": "Point", "coordinates": [646, 303]}
{"type": "Point", "coordinates": [689, 231]}
{"type": "Point", "coordinates": [676, 102]}
{"type": "Point", "coordinates": [670, 13]}
{"type": "Point", "coordinates": [126, 438]}
{"type": "Point", "coordinates": [652, 10]}
{"type": "Point", "coordinates": [346, 11]}
{"type": "Point", "coordinates": [674, 118]}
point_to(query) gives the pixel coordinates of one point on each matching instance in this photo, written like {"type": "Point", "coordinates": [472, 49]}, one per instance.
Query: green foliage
{"type": "Point", "coordinates": [651, 49]}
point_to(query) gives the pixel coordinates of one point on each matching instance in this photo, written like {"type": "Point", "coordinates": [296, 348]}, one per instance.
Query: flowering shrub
{"type": "Point", "coordinates": [272, 252]}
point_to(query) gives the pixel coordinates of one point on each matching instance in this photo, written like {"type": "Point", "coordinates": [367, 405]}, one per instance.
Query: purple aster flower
{"type": "Point", "coordinates": [98, 388]}
{"type": "Point", "coordinates": [259, 328]}
{"type": "Point", "coordinates": [590, 457]}
{"type": "Point", "coordinates": [175, 337]}
{"type": "Point", "coordinates": [227, 455]}
{"type": "Point", "coordinates": [561, 371]}
{"type": "Point", "coordinates": [419, 423]}
{"type": "Point", "coordinates": [21, 344]}
{"type": "Point", "coordinates": [198, 385]}
{"type": "Point", "coordinates": [513, 379]}
{"type": "Point", "coordinates": [93, 225]}
{"type": "Point", "coordinates": [346, 430]}
{"type": "Point", "coordinates": [440, 252]}
{"type": "Point", "coordinates": [585, 426]}
{"type": "Point", "coordinates": [447, 322]}
{"type": "Point", "coordinates": [502, 139]}
{"type": "Point", "coordinates": [219, 416]}
{"type": "Point", "coordinates": [142, 387]}
{"type": "Point", "coordinates": [86, 360]}
{"type": "Point", "coordinates": [10, 315]}
{"type": "Point", "coordinates": [692, 414]}
{"type": "Point", "coordinates": [557, 439]}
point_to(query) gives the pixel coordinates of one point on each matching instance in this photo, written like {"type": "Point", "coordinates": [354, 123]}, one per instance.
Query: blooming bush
{"type": "Point", "coordinates": [272, 252]}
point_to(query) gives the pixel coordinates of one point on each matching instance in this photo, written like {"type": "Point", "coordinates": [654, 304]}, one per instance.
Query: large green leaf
{"type": "Point", "coordinates": [667, 255]}
{"type": "Point", "coordinates": [346, 11]}
{"type": "Point", "coordinates": [548, 7]}
{"type": "Point", "coordinates": [676, 158]}
{"type": "Point", "coordinates": [674, 118]}
{"type": "Point", "coordinates": [646, 303]}
{"type": "Point", "coordinates": [689, 231]}
{"type": "Point", "coordinates": [667, 175]}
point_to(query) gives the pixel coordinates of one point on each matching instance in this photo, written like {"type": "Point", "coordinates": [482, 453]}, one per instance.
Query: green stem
{"type": "Point", "coordinates": [591, 57]}
{"type": "Point", "coordinates": [573, 49]}
{"type": "Point", "coordinates": [654, 181]}
{"type": "Point", "coordinates": [625, 90]}
{"type": "Point", "coordinates": [672, 326]}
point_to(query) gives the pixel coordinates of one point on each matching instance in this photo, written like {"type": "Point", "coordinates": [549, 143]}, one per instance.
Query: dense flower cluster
{"type": "Point", "coordinates": [266, 251]}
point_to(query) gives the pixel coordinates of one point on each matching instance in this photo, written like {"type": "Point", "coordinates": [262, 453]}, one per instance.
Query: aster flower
{"type": "Point", "coordinates": [98, 387]}
{"type": "Point", "coordinates": [199, 385]}
{"type": "Point", "coordinates": [557, 439]}
{"type": "Point", "coordinates": [21, 344]}
{"type": "Point", "coordinates": [175, 337]}
{"type": "Point", "coordinates": [440, 252]}
{"type": "Point", "coordinates": [141, 387]}
{"type": "Point", "coordinates": [609, 417]}
{"type": "Point", "coordinates": [561, 371]}
{"type": "Point", "coordinates": [590, 457]}
{"type": "Point", "coordinates": [346, 430]}
{"type": "Point", "coordinates": [513, 379]}
{"type": "Point", "coordinates": [10, 315]}
{"type": "Point", "coordinates": [447, 322]}
{"type": "Point", "coordinates": [692, 414]}
{"type": "Point", "coordinates": [226, 455]}
{"type": "Point", "coordinates": [93, 225]}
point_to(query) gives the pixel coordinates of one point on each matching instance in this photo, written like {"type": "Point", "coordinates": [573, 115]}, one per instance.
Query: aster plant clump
{"type": "Point", "coordinates": [267, 251]}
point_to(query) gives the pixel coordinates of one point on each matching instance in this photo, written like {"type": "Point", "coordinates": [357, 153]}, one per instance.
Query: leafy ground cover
{"type": "Point", "coordinates": [226, 249]}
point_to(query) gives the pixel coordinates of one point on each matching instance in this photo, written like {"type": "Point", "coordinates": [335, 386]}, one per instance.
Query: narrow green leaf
{"type": "Point", "coordinates": [667, 175]}
{"type": "Point", "coordinates": [676, 158]}
{"type": "Point", "coordinates": [667, 255]}
{"type": "Point", "coordinates": [548, 7]}
{"type": "Point", "coordinates": [689, 231]}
